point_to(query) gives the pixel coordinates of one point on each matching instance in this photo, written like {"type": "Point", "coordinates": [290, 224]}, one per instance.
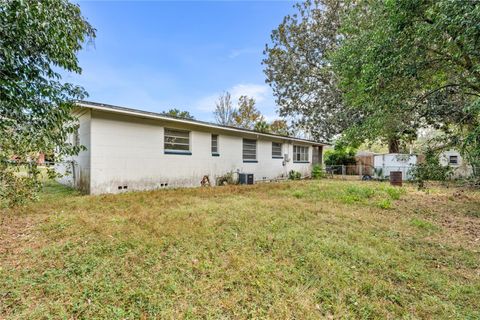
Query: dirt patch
{"type": "Point", "coordinates": [17, 234]}
{"type": "Point", "coordinates": [454, 210]}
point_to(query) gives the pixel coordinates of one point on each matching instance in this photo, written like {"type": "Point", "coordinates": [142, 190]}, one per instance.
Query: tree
{"type": "Point", "coordinates": [262, 126]}
{"type": "Point", "coordinates": [247, 115]}
{"type": "Point", "coordinates": [340, 155]}
{"type": "Point", "coordinates": [406, 64]}
{"type": "Point", "coordinates": [224, 110]}
{"type": "Point", "coordinates": [299, 70]}
{"type": "Point", "coordinates": [179, 114]}
{"type": "Point", "coordinates": [279, 127]}
{"type": "Point", "coordinates": [37, 39]}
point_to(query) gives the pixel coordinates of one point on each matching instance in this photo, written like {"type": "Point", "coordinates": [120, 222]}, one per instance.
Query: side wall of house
{"type": "Point", "coordinates": [129, 152]}
{"type": "Point", "coordinates": [76, 170]}
{"type": "Point", "coordinates": [461, 169]}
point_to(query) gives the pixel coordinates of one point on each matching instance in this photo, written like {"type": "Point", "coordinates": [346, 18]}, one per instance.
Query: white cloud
{"type": "Point", "coordinates": [257, 91]}
{"type": "Point", "coordinates": [261, 94]}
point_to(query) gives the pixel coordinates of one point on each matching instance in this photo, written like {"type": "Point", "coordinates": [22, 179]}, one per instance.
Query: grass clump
{"type": "Point", "coordinates": [356, 193]}
{"type": "Point", "coordinates": [395, 192]}
{"type": "Point", "coordinates": [423, 224]}
{"type": "Point", "coordinates": [298, 194]}
{"type": "Point", "coordinates": [384, 204]}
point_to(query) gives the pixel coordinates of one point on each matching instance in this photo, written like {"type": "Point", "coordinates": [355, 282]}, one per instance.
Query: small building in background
{"type": "Point", "coordinates": [387, 162]}
{"type": "Point", "coordinates": [454, 159]}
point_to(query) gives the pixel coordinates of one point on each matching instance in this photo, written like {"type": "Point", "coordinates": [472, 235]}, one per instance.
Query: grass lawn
{"type": "Point", "coordinates": [306, 249]}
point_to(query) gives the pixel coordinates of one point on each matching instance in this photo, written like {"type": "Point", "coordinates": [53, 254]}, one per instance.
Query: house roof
{"type": "Point", "coordinates": [162, 116]}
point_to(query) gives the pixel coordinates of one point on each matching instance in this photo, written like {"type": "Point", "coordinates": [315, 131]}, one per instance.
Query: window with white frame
{"type": "Point", "coordinates": [300, 154]}
{"type": "Point", "coordinates": [177, 141]}
{"type": "Point", "coordinates": [215, 144]}
{"type": "Point", "coordinates": [249, 150]}
{"type": "Point", "coordinates": [276, 150]}
{"type": "Point", "coordinates": [453, 160]}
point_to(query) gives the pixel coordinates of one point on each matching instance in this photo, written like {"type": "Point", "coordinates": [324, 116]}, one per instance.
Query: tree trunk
{"type": "Point", "coordinates": [394, 145]}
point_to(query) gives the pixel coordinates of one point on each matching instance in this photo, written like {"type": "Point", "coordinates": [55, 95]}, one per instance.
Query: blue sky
{"type": "Point", "coordinates": [155, 55]}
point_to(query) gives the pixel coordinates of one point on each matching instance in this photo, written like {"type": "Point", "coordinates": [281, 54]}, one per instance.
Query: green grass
{"type": "Point", "coordinates": [300, 249]}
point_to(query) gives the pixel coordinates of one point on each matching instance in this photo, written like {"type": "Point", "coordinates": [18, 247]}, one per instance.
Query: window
{"type": "Point", "coordinates": [300, 154]}
{"type": "Point", "coordinates": [249, 150]}
{"type": "Point", "coordinates": [215, 145]}
{"type": "Point", "coordinates": [177, 141]}
{"type": "Point", "coordinates": [453, 160]}
{"type": "Point", "coordinates": [277, 150]}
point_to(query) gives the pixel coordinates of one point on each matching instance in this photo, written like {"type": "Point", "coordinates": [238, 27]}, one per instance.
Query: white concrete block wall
{"type": "Point", "coordinates": [461, 168]}
{"type": "Point", "coordinates": [129, 151]}
{"type": "Point", "coordinates": [76, 170]}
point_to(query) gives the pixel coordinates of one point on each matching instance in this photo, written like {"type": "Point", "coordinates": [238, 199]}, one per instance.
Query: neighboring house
{"type": "Point", "coordinates": [453, 159]}
{"type": "Point", "coordinates": [388, 162]}
{"type": "Point", "coordinates": [129, 149]}
{"type": "Point", "coordinates": [404, 162]}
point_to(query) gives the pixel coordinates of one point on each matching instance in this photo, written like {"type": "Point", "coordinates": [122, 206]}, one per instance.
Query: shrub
{"type": "Point", "coordinates": [340, 156]}
{"type": "Point", "coordinates": [317, 172]}
{"type": "Point", "coordinates": [431, 169]}
{"type": "Point", "coordinates": [294, 175]}
{"type": "Point", "coordinates": [226, 179]}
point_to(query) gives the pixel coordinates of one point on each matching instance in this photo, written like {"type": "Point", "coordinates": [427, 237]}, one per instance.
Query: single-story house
{"type": "Point", "coordinates": [129, 149]}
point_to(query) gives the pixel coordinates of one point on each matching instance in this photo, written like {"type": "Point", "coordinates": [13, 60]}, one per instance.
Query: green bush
{"type": "Point", "coordinates": [340, 156]}
{"type": "Point", "coordinates": [294, 175]}
{"type": "Point", "coordinates": [431, 169]}
{"type": "Point", "coordinates": [317, 172]}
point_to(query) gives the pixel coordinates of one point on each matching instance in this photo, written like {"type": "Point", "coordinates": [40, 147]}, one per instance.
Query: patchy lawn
{"type": "Point", "coordinates": [307, 249]}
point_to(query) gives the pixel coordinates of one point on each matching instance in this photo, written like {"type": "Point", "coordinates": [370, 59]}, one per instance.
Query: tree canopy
{"type": "Point", "coordinates": [380, 70]}
{"type": "Point", "coordinates": [246, 115]}
{"type": "Point", "coordinates": [409, 64]}
{"type": "Point", "coordinates": [37, 39]}
{"type": "Point", "coordinates": [179, 114]}
{"type": "Point", "coordinates": [300, 72]}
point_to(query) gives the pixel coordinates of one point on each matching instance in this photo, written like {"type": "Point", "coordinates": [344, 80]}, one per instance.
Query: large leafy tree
{"type": "Point", "coordinates": [37, 39]}
{"type": "Point", "coordinates": [280, 127]}
{"type": "Point", "coordinates": [408, 64]}
{"type": "Point", "coordinates": [247, 115]}
{"type": "Point", "coordinates": [299, 70]}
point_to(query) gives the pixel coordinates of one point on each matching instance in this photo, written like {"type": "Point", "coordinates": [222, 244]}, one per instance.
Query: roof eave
{"type": "Point", "coordinates": [153, 115]}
